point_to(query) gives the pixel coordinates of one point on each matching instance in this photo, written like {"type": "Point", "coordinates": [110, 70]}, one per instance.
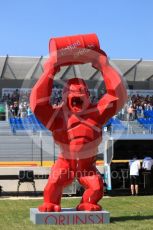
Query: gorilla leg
{"type": "Point", "coordinates": [60, 177]}
{"type": "Point", "coordinates": [93, 192]}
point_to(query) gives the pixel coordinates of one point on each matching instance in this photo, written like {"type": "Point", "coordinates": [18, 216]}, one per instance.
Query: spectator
{"type": "Point", "coordinates": [16, 109]}
{"type": "Point", "coordinates": [147, 163]}
{"type": "Point", "coordinates": [134, 175]}
{"type": "Point", "coordinates": [139, 104]}
{"type": "Point", "coordinates": [147, 173]}
{"type": "Point", "coordinates": [134, 108]}
{"type": "Point", "coordinates": [29, 112]}
{"type": "Point", "coordinates": [130, 113]}
{"type": "Point", "coordinates": [11, 110]}
{"type": "Point", "coordinates": [23, 110]}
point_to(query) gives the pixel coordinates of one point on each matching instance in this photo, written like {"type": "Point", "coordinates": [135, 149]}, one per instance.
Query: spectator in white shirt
{"type": "Point", "coordinates": [147, 163]}
{"type": "Point", "coordinates": [147, 166]}
{"type": "Point", "coordinates": [134, 175]}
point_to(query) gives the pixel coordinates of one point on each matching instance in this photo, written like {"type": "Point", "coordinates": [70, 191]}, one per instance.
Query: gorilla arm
{"type": "Point", "coordinates": [116, 94]}
{"type": "Point", "coordinates": [40, 95]}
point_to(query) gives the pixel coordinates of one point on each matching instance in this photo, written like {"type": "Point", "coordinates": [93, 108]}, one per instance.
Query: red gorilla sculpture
{"type": "Point", "coordinates": [76, 124]}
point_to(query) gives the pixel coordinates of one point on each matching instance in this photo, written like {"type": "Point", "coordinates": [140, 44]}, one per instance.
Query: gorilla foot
{"type": "Point", "coordinates": [88, 207]}
{"type": "Point", "coordinates": [49, 207]}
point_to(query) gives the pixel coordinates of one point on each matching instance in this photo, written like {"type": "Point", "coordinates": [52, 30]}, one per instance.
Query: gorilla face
{"type": "Point", "coordinates": [76, 95]}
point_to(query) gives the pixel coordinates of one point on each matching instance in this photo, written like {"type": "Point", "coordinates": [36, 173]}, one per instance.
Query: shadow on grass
{"type": "Point", "coordinates": [126, 218]}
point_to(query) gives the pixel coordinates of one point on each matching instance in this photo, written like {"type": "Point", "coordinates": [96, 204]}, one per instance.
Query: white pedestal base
{"type": "Point", "coordinates": [69, 216]}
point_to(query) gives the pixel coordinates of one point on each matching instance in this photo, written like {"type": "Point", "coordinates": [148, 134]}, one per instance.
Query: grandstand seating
{"type": "Point", "coordinates": [32, 124]}
{"type": "Point", "coordinates": [29, 123]}
{"type": "Point", "coordinates": [147, 122]}
{"type": "Point", "coordinates": [116, 125]}
{"type": "Point", "coordinates": [148, 113]}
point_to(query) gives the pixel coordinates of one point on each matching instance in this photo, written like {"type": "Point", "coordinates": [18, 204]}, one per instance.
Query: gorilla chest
{"type": "Point", "coordinates": [73, 127]}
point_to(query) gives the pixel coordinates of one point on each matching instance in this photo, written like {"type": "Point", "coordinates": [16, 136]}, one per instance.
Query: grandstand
{"type": "Point", "coordinates": [17, 72]}
{"type": "Point", "coordinates": [26, 139]}
{"type": "Point", "coordinates": [27, 123]}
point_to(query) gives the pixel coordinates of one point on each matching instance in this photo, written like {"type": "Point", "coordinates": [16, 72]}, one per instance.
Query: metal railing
{"type": "Point", "coordinates": [131, 129]}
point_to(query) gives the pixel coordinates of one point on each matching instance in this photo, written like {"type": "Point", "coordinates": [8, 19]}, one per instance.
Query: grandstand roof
{"type": "Point", "coordinates": [32, 67]}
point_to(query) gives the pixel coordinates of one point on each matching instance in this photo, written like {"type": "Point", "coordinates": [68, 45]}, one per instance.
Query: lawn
{"type": "Point", "coordinates": [126, 213]}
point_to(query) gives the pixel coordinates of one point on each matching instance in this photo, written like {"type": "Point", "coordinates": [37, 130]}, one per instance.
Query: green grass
{"type": "Point", "coordinates": [126, 213]}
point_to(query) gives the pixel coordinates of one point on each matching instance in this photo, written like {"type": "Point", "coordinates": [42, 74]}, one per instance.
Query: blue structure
{"type": "Point", "coordinates": [147, 122]}
{"type": "Point", "coordinates": [29, 123]}
{"type": "Point", "coordinates": [116, 124]}
{"type": "Point", "coordinates": [148, 113]}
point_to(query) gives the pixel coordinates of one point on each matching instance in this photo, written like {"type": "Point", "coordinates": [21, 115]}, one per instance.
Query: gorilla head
{"type": "Point", "coordinates": [76, 95]}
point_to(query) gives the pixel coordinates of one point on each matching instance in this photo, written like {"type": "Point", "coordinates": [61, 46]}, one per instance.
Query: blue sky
{"type": "Point", "coordinates": [124, 27]}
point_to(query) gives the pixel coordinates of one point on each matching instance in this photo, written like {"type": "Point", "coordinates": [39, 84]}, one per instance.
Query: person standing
{"type": "Point", "coordinates": [130, 113]}
{"type": "Point", "coordinates": [134, 175]}
{"type": "Point", "coordinates": [147, 165]}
